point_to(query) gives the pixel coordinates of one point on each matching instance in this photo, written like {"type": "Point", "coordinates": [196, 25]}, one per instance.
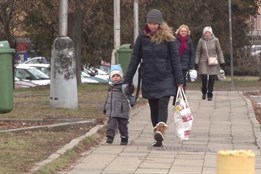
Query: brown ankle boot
{"type": "Point", "coordinates": [159, 132]}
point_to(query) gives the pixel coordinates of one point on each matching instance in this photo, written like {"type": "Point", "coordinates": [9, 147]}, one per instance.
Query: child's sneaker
{"type": "Point", "coordinates": [109, 139]}
{"type": "Point", "coordinates": [124, 141]}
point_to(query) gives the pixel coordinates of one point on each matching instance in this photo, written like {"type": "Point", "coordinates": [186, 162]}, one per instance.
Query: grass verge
{"type": "Point", "coordinates": [20, 151]}
{"type": "Point", "coordinates": [72, 155]}
{"type": "Point", "coordinates": [240, 84]}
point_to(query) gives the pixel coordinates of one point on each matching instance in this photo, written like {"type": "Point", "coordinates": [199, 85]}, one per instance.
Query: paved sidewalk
{"type": "Point", "coordinates": [226, 123]}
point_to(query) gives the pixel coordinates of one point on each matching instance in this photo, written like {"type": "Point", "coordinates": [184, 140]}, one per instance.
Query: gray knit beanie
{"type": "Point", "coordinates": [154, 16]}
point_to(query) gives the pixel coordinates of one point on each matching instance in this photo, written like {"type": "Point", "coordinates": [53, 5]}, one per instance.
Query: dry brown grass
{"type": "Point", "coordinates": [20, 151]}
{"type": "Point", "coordinates": [34, 103]}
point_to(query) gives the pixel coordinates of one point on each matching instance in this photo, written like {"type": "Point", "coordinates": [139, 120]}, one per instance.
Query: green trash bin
{"type": "Point", "coordinates": [124, 56]}
{"type": "Point", "coordinates": [6, 77]}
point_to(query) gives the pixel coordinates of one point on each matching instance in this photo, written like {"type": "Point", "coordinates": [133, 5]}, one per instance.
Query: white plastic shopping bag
{"type": "Point", "coordinates": [182, 115]}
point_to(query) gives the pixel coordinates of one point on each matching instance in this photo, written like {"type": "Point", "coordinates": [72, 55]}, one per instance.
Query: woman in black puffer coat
{"type": "Point", "coordinates": [161, 69]}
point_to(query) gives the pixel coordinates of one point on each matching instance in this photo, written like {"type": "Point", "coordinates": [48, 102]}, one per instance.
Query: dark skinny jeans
{"type": "Point", "coordinates": [159, 110]}
{"type": "Point", "coordinates": [208, 84]}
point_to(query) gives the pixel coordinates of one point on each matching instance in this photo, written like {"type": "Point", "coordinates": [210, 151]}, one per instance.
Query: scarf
{"type": "Point", "coordinates": [183, 46]}
{"type": "Point", "coordinates": [147, 30]}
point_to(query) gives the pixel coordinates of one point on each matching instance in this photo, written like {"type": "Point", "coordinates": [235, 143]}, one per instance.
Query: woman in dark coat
{"type": "Point", "coordinates": [161, 69]}
{"type": "Point", "coordinates": [186, 51]}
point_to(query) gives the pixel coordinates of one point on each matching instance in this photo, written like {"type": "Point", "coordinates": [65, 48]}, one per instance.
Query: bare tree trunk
{"type": "Point", "coordinates": [75, 33]}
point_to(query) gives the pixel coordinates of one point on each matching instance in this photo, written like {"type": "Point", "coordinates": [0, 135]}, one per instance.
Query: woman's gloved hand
{"type": "Point", "coordinates": [129, 89]}
{"type": "Point", "coordinates": [196, 66]}
{"type": "Point", "coordinates": [222, 66]}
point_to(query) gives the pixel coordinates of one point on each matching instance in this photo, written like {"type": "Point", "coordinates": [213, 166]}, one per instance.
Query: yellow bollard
{"type": "Point", "coordinates": [236, 162]}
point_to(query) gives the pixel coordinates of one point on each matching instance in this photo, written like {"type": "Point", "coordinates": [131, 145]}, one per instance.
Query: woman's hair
{"type": "Point", "coordinates": [164, 33]}
{"type": "Point", "coordinates": [183, 26]}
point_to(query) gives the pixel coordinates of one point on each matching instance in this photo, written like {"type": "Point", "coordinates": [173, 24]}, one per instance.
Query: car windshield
{"type": "Point", "coordinates": [46, 71]}
{"type": "Point", "coordinates": [85, 75]}
{"type": "Point", "coordinates": [38, 74]}
{"type": "Point", "coordinates": [102, 72]}
{"type": "Point", "coordinates": [30, 74]}
{"type": "Point", "coordinates": [257, 48]}
{"type": "Point", "coordinates": [22, 74]}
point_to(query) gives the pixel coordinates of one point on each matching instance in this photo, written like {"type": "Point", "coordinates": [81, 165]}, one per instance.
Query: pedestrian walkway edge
{"type": "Point", "coordinates": [255, 124]}
{"type": "Point", "coordinates": [66, 147]}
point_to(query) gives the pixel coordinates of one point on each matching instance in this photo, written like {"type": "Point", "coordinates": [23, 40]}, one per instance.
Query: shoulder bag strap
{"type": "Point", "coordinates": [206, 48]}
{"type": "Point", "coordinates": [139, 80]}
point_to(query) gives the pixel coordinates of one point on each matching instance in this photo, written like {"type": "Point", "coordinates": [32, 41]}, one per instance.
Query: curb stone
{"type": "Point", "coordinates": [65, 148]}
{"type": "Point", "coordinates": [255, 124]}
{"type": "Point", "coordinates": [52, 127]}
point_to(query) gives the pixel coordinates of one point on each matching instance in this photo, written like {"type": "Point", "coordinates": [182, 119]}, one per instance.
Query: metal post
{"type": "Point", "coordinates": [63, 18]}
{"type": "Point", "coordinates": [63, 88]}
{"type": "Point", "coordinates": [136, 19]}
{"type": "Point", "coordinates": [136, 32]}
{"type": "Point", "coordinates": [231, 46]}
{"type": "Point", "coordinates": [259, 56]}
{"type": "Point", "coordinates": [117, 36]}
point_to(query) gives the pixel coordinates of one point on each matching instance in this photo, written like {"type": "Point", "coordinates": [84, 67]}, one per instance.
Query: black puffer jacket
{"type": "Point", "coordinates": [188, 58]}
{"type": "Point", "coordinates": [161, 70]}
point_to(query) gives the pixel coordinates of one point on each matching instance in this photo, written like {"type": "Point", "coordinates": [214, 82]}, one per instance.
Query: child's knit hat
{"type": "Point", "coordinates": [116, 69]}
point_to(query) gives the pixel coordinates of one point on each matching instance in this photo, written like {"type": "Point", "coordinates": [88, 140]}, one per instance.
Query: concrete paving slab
{"type": "Point", "coordinates": [226, 123]}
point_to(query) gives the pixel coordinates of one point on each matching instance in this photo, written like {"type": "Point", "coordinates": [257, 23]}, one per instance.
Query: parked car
{"type": "Point", "coordinates": [23, 83]}
{"type": "Point", "coordinates": [87, 78]}
{"type": "Point", "coordinates": [31, 74]}
{"type": "Point", "coordinates": [99, 73]}
{"type": "Point", "coordinates": [96, 77]}
{"type": "Point", "coordinates": [36, 60]}
{"type": "Point", "coordinates": [255, 50]}
{"type": "Point", "coordinates": [44, 67]}
{"type": "Point", "coordinates": [105, 68]}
